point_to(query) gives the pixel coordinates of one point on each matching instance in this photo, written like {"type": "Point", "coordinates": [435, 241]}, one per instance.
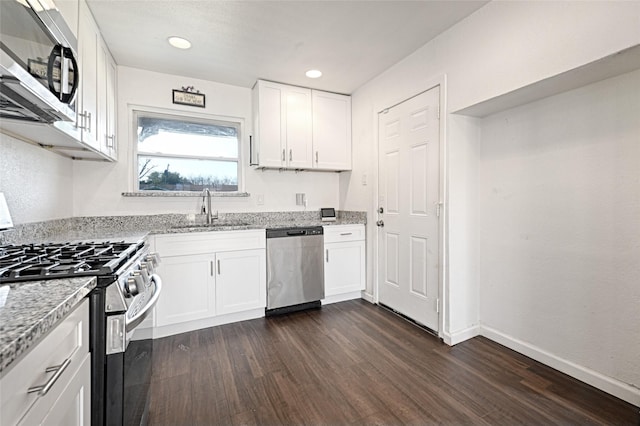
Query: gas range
{"type": "Point", "coordinates": [30, 262]}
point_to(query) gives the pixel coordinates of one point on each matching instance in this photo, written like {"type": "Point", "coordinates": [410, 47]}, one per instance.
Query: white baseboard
{"type": "Point", "coordinates": [460, 336]}
{"type": "Point", "coordinates": [368, 297]}
{"type": "Point", "coordinates": [341, 297]}
{"type": "Point", "coordinates": [170, 330]}
{"type": "Point", "coordinates": [607, 384]}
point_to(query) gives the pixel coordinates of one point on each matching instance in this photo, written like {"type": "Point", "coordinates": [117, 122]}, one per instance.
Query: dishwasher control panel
{"type": "Point", "coordinates": [294, 232]}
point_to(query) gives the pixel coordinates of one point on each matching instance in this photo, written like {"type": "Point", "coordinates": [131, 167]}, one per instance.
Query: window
{"type": "Point", "coordinates": [186, 154]}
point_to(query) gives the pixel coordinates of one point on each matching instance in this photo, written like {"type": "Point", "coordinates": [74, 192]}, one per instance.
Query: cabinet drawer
{"type": "Point", "coordinates": [65, 347]}
{"type": "Point", "coordinates": [339, 233]}
{"type": "Point", "coordinates": [209, 242]}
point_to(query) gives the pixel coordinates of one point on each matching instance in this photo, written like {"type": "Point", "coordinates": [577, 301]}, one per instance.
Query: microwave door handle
{"type": "Point", "coordinates": [68, 97]}
{"type": "Point", "coordinates": [56, 52]}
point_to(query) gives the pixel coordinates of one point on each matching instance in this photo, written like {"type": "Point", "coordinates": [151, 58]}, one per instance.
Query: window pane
{"type": "Point", "coordinates": [180, 137]}
{"type": "Point", "coordinates": [179, 174]}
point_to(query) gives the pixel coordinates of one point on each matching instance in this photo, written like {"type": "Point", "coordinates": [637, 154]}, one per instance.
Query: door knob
{"type": "Point", "coordinates": [380, 223]}
{"type": "Point", "coordinates": [380, 210]}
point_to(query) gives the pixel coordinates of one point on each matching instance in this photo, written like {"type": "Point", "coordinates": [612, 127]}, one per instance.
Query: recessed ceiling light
{"type": "Point", "coordinates": [313, 73]}
{"type": "Point", "coordinates": [179, 42]}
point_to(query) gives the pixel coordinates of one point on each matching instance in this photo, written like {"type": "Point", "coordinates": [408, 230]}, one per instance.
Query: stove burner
{"type": "Point", "coordinates": [47, 261]}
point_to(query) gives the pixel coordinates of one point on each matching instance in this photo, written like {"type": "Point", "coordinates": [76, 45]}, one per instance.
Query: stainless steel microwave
{"type": "Point", "coordinates": [39, 73]}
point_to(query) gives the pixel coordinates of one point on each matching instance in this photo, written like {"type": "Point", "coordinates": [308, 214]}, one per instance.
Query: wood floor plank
{"type": "Point", "coordinates": [356, 363]}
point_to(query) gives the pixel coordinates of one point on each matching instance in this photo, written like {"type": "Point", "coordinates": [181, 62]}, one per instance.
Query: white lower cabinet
{"type": "Point", "coordinates": [207, 276]}
{"type": "Point", "coordinates": [51, 384]}
{"type": "Point", "coordinates": [344, 259]}
{"type": "Point", "coordinates": [71, 408]}
{"type": "Point", "coordinates": [189, 289]}
{"type": "Point", "coordinates": [241, 281]}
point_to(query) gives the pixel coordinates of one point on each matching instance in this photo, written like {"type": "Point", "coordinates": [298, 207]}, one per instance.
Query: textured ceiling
{"type": "Point", "coordinates": [237, 42]}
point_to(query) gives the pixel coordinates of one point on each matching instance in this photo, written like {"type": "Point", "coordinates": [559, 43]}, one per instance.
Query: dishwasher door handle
{"type": "Point", "coordinates": [295, 233]}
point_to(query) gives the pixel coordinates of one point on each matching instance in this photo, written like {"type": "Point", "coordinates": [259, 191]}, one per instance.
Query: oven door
{"type": "Point", "coordinates": [128, 363]}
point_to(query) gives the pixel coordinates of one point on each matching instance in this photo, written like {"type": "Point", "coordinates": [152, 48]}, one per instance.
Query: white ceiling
{"type": "Point", "coordinates": [237, 42]}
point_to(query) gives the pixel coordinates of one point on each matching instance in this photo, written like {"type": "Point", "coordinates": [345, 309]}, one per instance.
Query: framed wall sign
{"type": "Point", "coordinates": [188, 97]}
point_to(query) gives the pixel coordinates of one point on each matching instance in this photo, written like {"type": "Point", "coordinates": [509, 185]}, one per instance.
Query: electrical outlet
{"type": "Point", "coordinates": [260, 199]}
{"type": "Point", "coordinates": [364, 179]}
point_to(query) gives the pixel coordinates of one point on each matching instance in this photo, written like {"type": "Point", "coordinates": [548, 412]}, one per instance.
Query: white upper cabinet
{"type": "Point", "coordinates": [331, 131]}
{"type": "Point", "coordinates": [97, 91]}
{"type": "Point", "coordinates": [106, 102]}
{"type": "Point", "coordinates": [88, 45]}
{"type": "Point", "coordinates": [282, 126]}
{"type": "Point", "coordinates": [300, 128]}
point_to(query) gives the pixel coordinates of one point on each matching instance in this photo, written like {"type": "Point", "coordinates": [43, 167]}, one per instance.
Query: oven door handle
{"type": "Point", "coordinates": [132, 322]}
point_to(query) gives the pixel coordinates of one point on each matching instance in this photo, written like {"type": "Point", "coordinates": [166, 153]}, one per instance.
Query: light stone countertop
{"type": "Point", "coordinates": [29, 310]}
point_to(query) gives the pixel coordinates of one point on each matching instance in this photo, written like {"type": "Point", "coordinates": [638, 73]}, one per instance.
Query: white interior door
{"type": "Point", "coordinates": [409, 195]}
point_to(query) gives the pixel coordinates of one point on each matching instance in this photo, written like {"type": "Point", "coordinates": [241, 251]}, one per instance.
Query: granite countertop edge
{"type": "Point", "coordinates": [27, 325]}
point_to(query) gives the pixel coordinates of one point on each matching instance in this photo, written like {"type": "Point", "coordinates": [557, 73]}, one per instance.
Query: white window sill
{"type": "Point", "coordinates": [169, 194]}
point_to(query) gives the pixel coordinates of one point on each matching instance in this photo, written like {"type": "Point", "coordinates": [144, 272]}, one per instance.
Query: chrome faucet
{"type": "Point", "coordinates": [206, 193]}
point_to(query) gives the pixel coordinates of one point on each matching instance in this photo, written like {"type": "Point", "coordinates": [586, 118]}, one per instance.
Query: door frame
{"type": "Point", "coordinates": [397, 98]}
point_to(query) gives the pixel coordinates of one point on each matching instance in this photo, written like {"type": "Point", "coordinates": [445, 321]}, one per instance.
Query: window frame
{"type": "Point", "coordinates": [143, 111]}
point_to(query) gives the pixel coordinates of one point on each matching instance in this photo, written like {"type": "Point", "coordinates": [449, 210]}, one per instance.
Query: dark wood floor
{"type": "Point", "coordinates": [356, 363]}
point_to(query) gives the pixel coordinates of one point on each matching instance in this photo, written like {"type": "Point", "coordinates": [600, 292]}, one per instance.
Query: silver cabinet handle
{"type": "Point", "coordinates": [211, 267]}
{"type": "Point", "coordinates": [218, 266]}
{"type": "Point", "coordinates": [346, 233]}
{"type": "Point", "coordinates": [327, 250]}
{"type": "Point", "coordinates": [58, 369]}
{"type": "Point", "coordinates": [283, 155]}
{"type": "Point", "coordinates": [316, 157]}
{"type": "Point", "coordinates": [290, 155]}
{"type": "Point", "coordinates": [89, 119]}
{"type": "Point", "coordinates": [82, 116]}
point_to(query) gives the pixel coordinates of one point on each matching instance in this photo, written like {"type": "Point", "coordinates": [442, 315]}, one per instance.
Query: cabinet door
{"type": "Point", "coordinates": [331, 131]}
{"type": "Point", "coordinates": [270, 124]}
{"type": "Point", "coordinates": [298, 128]}
{"type": "Point", "coordinates": [73, 405]}
{"type": "Point", "coordinates": [112, 147]}
{"type": "Point", "coordinates": [241, 282]}
{"type": "Point", "coordinates": [101, 96]}
{"type": "Point", "coordinates": [344, 267]}
{"type": "Point", "coordinates": [88, 98]}
{"type": "Point", "coordinates": [188, 291]}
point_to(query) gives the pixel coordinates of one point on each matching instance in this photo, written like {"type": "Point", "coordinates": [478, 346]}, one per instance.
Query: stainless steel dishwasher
{"type": "Point", "coordinates": [295, 269]}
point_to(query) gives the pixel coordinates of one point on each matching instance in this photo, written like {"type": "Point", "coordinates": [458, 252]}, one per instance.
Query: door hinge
{"type": "Point", "coordinates": [438, 209]}
{"type": "Point", "coordinates": [438, 112]}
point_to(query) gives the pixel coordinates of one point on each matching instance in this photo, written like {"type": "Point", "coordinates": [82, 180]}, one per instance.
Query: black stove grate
{"type": "Point", "coordinates": [32, 262]}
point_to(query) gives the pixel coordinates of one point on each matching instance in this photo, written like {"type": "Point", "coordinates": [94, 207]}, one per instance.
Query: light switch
{"type": "Point", "coordinates": [364, 179]}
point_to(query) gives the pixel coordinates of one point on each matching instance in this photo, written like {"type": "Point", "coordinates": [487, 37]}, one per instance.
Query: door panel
{"type": "Point", "coordinates": [409, 161]}
{"type": "Point", "coordinates": [240, 281]}
{"type": "Point", "coordinates": [189, 289]}
{"type": "Point", "coordinates": [299, 145]}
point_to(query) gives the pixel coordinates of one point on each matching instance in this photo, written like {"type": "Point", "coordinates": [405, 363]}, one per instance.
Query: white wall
{"type": "Point", "coordinates": [99, 186]}
{"type": "Point", "coordinates": [559, 209]}
{"type": "Point", "coordinates": [36, 183]}
{"type": "Point", "coordinates": [500, 48]}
